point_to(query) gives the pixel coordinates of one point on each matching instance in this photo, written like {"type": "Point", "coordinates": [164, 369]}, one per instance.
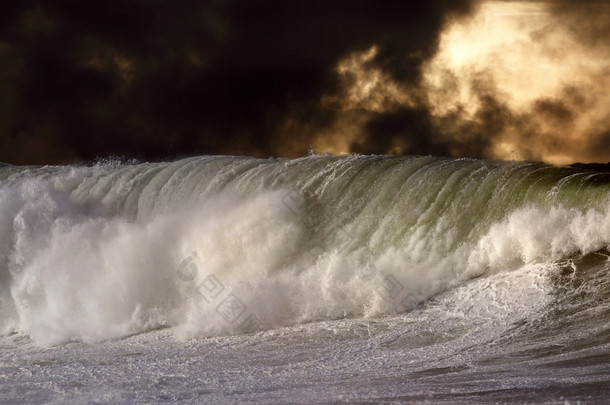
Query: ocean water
{"type": "Point", "coordinates": [357, 279]}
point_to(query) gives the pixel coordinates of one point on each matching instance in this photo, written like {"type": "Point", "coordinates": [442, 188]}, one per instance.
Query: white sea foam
{"type": "Point", "coordinates": [97, 253]}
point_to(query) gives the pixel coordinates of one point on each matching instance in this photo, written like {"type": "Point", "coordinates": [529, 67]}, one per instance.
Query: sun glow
{"type": "Point", "coordinates": [520, 54]}
{"type": "Point", "coordinates": [509, 81]}
{"type": "Point", "coordinates": [500, 39]}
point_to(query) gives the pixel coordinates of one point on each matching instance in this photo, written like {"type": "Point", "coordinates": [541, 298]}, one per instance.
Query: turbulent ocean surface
{"type": "Point", "coordinates": [316, 280]}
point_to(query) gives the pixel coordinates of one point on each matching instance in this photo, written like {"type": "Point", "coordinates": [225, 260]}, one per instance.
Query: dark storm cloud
{"type": "Point", "coordinates": [162, 79]}
{"type": "Point", "coordinates": [448, 135]}
{"type": "Point", "coordinates": [587, 19]}
{"type": "Point", "coordinates": [540, 131]}
{"type": "Point", "coordinates": [588, 22]}
{"type": "Point", "coordinates": [157, 79]}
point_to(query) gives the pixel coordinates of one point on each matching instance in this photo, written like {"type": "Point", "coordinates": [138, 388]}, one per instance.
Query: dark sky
{"type": "Point", "coordinates": [153, 79]}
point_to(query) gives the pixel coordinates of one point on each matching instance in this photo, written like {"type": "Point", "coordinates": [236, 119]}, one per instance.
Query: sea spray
{"type": "Point", "coordinates": [92, 253]}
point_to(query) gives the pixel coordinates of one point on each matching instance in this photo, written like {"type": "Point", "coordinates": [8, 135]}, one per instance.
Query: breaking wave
{"type": "Point", "coordinates": [218, 245]}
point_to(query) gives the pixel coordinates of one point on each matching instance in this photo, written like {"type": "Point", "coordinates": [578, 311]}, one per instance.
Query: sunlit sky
{"type": "Point", "coordinates": [513, 50]}
{"type": "Point", "coordinates": [529, 58]}
{"type": "Point", "coordinates": [502, 38]}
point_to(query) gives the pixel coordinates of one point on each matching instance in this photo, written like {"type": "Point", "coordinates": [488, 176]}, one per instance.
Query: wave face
{"type": "Point", "coordinates": [223, 245]}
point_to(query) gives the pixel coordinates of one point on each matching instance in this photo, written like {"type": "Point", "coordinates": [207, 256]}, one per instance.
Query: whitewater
{"type": "Point", "coordinates": [369, 279]}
